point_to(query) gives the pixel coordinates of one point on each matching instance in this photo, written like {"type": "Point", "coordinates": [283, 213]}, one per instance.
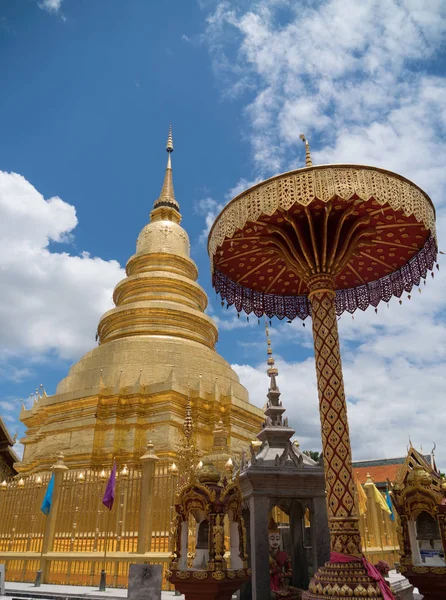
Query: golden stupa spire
{"type": "Point", "coordinates": [308, 161]}
{"type": "Point", "coordinates": [167, 195]}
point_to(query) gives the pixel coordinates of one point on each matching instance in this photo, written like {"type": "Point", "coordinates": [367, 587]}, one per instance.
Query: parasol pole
{"type": "Point", "coordinates": [343, 517]}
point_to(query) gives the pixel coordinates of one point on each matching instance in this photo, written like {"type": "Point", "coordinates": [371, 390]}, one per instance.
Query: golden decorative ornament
{"type": "Point", "coordinates": [208, 473]}
{"type": "Point", "coordinates": [218, 575]}
{"type": "Point", "coordinates": [183, 574]}
{"type": "Point", "coordinates": [420, 569]}
{"type": "Point", "coordinates": [229, 466]}
{"type": "Point", "coordinates": [200, 574]}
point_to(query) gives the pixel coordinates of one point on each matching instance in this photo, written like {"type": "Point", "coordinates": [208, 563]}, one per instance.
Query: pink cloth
{"type": "Point", "coordinates": [336, 557]}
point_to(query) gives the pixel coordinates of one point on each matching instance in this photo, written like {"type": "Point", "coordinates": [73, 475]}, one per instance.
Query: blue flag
{"type": "Point", "coordinates": [389, 504]}
{"type": "Point", "coordinates": [48, 498]}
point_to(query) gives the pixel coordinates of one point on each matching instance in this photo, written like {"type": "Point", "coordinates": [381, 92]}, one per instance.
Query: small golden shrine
{"type": "Point", "coordinates": [419, 496]}
{"type": "Point", "coordinates": [214, 505]}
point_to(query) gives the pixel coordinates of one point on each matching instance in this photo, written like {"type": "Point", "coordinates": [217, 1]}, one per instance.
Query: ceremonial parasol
{"type": "Point", "coordinates": [319, 241]}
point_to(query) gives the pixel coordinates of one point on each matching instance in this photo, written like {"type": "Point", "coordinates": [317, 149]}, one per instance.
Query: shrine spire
{"type": "Point", "coordinates": [167, 195]}
{"type": "Point", "coordinates": [272, 371]}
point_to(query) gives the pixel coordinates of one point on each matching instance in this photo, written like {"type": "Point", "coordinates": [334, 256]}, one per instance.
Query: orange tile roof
{"type": "Point", "coordinates": [379, 473]}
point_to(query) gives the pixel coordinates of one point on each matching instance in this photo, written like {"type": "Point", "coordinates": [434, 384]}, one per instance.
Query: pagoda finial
{"type": "Point", "coordinates": [272, 370]}
{"type": "Point", "coordinates": [308, 161]}
{"type": "Point", "coordinates": [169, 145]}
{"type": "Point", "coordinates": [167, 196]}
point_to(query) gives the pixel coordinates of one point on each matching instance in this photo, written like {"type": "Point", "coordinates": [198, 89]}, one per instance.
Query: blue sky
{"type": "Point", "coordinates": [89, 88]}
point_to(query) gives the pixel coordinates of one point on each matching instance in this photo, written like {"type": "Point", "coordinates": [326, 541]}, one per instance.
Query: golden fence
{"type": "Point", "coordinates": [80, 536]}
{"type": "Point", "coordinates": [22, 524]}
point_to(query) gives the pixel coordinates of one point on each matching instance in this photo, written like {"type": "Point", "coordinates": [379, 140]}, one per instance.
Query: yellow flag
{"type": "Point", "coordinates": [379, 499]}
{"type": "Point", "coordinates": [362, 498]}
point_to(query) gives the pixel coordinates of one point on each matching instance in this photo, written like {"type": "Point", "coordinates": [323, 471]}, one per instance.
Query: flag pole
{"type": "Point", "coordinates": [38, 579]}
{"type": "Point", "coordinates": [46, 509]}
{"type": "Point", "coordinates": [103, 581]}
{"type": "Point", "coordinates": [107, 501]}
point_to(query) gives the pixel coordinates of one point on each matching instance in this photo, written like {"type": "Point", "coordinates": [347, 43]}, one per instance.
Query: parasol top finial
{"type": "Point", "coordinates": [308, 161]}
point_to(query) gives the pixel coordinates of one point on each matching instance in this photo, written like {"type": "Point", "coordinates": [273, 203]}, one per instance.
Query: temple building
{"type": "Point", "coordinates": [389, 469]}
{"type": "Point", "coordinates": [156, 350]}
{"type": "Point", "coordinates": [7, 455]}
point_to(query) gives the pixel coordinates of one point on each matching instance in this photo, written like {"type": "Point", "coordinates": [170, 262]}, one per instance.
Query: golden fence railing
{"type": "Point", "coordinates": [71, 549]}
{"type": "Point", "coordinates": [84, 524]}
{"type": "Point", "coordinates": [22, 524]}
{"type": "Point", "coordinates": [163, 507]}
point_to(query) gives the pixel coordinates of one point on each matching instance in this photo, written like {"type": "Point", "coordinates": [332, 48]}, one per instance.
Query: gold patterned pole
{"type": "Point", "coordinates": [343, 516]}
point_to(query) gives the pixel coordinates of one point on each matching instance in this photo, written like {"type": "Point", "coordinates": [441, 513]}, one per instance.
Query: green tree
{"type": "Point", "coordinates": [313, 454]}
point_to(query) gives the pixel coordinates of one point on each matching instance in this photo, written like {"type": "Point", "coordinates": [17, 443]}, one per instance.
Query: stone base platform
{"type": "Point", "coordinates": [24, 591]}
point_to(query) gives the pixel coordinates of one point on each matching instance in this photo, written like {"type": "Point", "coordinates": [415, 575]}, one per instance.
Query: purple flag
{"type": "Point", "coordinates": [109, 496]}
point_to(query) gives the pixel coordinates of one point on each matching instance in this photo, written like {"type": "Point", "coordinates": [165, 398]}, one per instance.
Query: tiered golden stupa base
{"type": "Point", "coordinates": [342, 580]}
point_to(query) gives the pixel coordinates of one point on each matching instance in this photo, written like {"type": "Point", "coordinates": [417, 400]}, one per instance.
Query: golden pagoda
{"type": "Point", "coordinates": [156, 351]}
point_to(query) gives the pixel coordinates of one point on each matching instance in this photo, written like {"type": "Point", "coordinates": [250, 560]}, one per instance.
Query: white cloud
{"type": "Point", "coordinates": [324, 69]}
{"type": "Point", "coordinates": [208, 208]}
{"type": "Point", "coordinates": [52, 6]}
{"type": "Point", "coordinates": [51, 301]}
{"type": "Point", "coordinates": [362, 81]}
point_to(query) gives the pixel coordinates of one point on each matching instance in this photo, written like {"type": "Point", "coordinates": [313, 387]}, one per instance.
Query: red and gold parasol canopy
{"type": "Point", "coordinates": [370, 229]}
